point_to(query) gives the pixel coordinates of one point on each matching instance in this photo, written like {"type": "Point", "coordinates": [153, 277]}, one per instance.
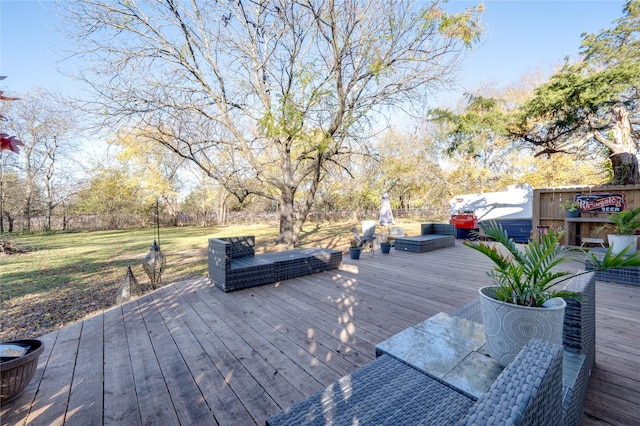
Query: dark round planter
{"type": "Point", "coordinates": [573, 214]}
{"type": "Point", "coordinates": [354, 252]}
{"type": "Point", "coordinates": [385, 248]}
{"type": "Point", "coordinates": [16, 373]}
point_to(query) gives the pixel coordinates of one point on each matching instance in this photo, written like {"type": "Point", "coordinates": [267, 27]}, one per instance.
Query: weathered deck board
{"type": "Point", "coordinates": [53, 393]}
{"type": "Point", "coordinates": [210, 372]}
{"type": "Point", "coordinates": [120, 401]}
{"type": "Point", "coordinates": [614, 390]}
{"type": "Point", "coordinates": [192, 354]}
{"type": "Point", "coordinates": [85, 402]}
{"type": "Point", "coordinates": [254, 365]}
{"type": "Point", "coordinates": [150, 390]}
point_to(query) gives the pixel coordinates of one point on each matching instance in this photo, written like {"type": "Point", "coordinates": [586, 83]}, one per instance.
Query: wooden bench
{"type": "Point", "coordinates": [586, 240]}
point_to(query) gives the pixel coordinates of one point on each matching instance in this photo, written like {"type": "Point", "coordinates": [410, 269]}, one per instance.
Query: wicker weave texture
{"type": "Point", "coordinates": [575, 392]}
{"type": "Point", "coordinates": [423, 243]}
{"type": "Point", "coordinates": [629, 275]}
{"type": "Point", "coordinates": [432, 236]}
{"type": "Point", "coordinates": [383, 392]}
{"type": "Point", "coordinates": [471, 311]}
{"type": "Point", "coordinates": [219, 259]}
{"type": "Point", "coordinates": [388, 392]}
{"type": "Point", "coordinates": [580, 317]}
{"type": "Point", "coordinates": [248, 272]}
{"type": "Point", "coordinates": [438, 228]}
{"type": "Point", "coordinates": [528, 392]}
{"type": "Point", "coordinates": [233, 264]}
{"type": "Point", "coordinates": [580, 337]}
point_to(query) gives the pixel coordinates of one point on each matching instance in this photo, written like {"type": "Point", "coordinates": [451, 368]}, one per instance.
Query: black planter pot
{"type": "Point", "coordinates": [385, 248]}
{"type": "Point", "coordinates": [354, 252]}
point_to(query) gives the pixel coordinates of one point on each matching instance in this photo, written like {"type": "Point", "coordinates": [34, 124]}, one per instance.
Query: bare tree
{"type": "Point", "coordinates": [157, 168]}
{"type": "Point", "coordinates": [263, 95]}
{"type": "Point", "coordinates": [8, 178]}
{"type": "Point", "coordinates": [10, 188]}
{"type": "Point", "coordinates": [58, 181]}
{"type": "Point", "coordinates": [46, 126]}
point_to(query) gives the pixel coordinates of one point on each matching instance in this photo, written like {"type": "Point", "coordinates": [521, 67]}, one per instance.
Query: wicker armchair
{"type": "Point", "coordinates": [389, 392]}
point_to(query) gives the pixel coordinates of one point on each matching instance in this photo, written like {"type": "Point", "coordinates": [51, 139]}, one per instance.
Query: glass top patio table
{"type": "Point", "coordinates": [447, 348]}
{"type": "Point", "coordinates": [452, 349]}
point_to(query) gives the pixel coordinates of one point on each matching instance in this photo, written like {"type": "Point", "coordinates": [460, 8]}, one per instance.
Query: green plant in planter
{"type": "Point", "coordinates": [570, 206]}
{"type": "Point", "coordinates": [526, 277]}
{"type": "Point", "coordinates": [355, 249]}
{"type": "Point", "coordinates": [386, 239]}
{"type": "Point", "coordinates": [623, 223]}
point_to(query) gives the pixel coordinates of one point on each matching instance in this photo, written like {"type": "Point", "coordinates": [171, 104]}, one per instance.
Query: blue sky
{"type": "Point", "coordinates": [28, 45]}
{"type": "Point", "coordinates": [520, 36]}
{"type": "Point", "coordinates": [523, 36]}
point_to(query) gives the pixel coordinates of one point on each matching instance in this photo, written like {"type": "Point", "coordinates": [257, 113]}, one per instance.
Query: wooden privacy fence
{"type": "Point", "coordinates": [598, 202]}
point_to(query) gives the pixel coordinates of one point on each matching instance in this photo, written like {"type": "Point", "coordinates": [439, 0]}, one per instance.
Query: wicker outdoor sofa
{"type": "Point", "coordinates": [546, 384]}
{"type": "Point", "coordinates": [233, 264]}
{"type": "Point", "coordinates": [432, 236]}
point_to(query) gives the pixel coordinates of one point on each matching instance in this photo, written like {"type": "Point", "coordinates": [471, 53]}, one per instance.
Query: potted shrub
{"type": "Point", "coordinates": [522, 304]}
{"type": "Point", "coordinates": [355, 250]}
{"type": "Point", "coordinates": [385, 245]}
{"type": "Point", "coordinates": [387, 242]}
{"type": "Point", "coordinates": [623, 227]}
{"type": "Point", "coordinates": [572, 209]}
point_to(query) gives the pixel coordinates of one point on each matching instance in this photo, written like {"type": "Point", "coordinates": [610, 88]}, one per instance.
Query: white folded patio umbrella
{"type": "Point", "coordinates": [386, 215]}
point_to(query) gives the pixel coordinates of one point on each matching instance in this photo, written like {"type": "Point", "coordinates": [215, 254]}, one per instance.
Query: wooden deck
{"type": "Point", "coordinates": [191, 354]}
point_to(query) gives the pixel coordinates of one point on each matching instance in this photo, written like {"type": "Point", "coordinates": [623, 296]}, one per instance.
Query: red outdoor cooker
{"type": "Point", "coordinates": [464, 222]}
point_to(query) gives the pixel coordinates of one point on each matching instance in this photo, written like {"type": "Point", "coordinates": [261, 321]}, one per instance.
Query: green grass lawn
{"type": "Point", "coordinates": [63, 277]}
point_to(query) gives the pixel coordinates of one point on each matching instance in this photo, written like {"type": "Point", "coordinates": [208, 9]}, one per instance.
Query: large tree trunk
{"type": "Point", "coordinates": [10, 220]}
{"type": "Point", "coordinates": [222, 208]}
{"type": "Point", "coordinates": [623, 152]}
{"type": "Point", "coordinates": [48, 215]}
{"type": "Point", "coordinates": [625, 169]}
{"type": "Point", "coordinates": [26, 213]}
{"type": "Point", "coordinates": [1, 208]}
{"type": "Point", "coordinates": [287, 235]}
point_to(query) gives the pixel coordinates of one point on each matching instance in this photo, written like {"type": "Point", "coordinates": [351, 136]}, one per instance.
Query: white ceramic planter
{"type": "Point", "coordinates": [619, 242]}
{"type": "Point", "coordinates": [508, 327]}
